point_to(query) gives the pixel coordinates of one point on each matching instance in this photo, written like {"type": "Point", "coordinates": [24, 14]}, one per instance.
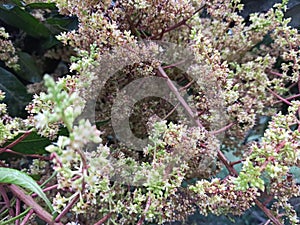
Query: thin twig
{"type": "Point", "coordinates": [163, 74]}
{"type": "Point", "coordinates": [27, 217]}
{"type": "Point", "coordinates": [182, 22]}
{"type": "Point", "coordinates": [67, 208]}
{"type": "Point", "coordinates": [268, 200]}
{"type": "Point", "coordinates": [222, 129]}
{"type": "Point", "coordinates": [274, 73]}
{"type": "Point", "coordinates": [18, 210]}
{"type": "Point", "coordinates": [6, 200]}
{"type": "Point", "coordinates": [26, 133]}
{"type": "Point", "coordinates": [174, 64]}
{"type": "Point", "coordinates": [187, 86]}
{"type": "Point", "coordinates": [141, 220]}
{"type": "Point", "coordinates": [267, 212]}
{"type": "Point", "coordinates": [24, 154]}
{"type": "Point", "coordinates": [268, 222]}
{"type": "Point", "coordinates": [104, 219]}
{"type": "Point", "coordinates": [170, 113]}
{"type": "Point", "coordinates": [279, 97]}
{"type": "Point", "coordinates": [226, 163]}
{"type": "Point", "coordinates": [288, 98]}
{"type": "Point", "coordinates": [46, 189]}
{"type": "Point", "coordinates": [291, 86]}
{"type": "Point", "coordinates": [237, 162]}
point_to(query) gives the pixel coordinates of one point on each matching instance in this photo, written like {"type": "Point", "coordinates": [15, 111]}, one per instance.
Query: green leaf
{"type": "Point", "coordinates": [35, 144]}
{"type": "Point", "coordinates": [32, 144]}
{"type": "Point", "coordinates": [59, 24]}
{"type": "Point", "coordinates": [13, 2]}
{"type": "Point", "coordinates": [50, 42]}
{"type": "Point", "coordinates": [12, 176]}
{"type": "Point", "coordinates": [15, 16]}
{"type": "Point", "coordinates": [16, 96]}
{"type": "Point", "coordinates": [259, 183]}
{"type": "Point", "coordinates": [101, 123]}
{"type": "Point", "coordinates": [41, 5]}
{"type": "Point", "coordinates": [29, 70]}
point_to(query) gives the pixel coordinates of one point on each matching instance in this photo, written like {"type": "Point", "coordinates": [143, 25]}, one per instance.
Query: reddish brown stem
{"type": "Point", "coordinates": [104, 219]}
{"type": "Point", "coordinates": [268, 200]}
{"type": "Point", "coordinates": [222, 129]}
{"type": "Point", "coordinates": [173, 65]}
{"type": "Point", "coordinates": [279, 97]}
{"type": "Point", "coordinates": [274, 73]}
{"type": "Point", "coordinates": [221, 156]}
{"type": "Point", "coordinates": [163, 74]}
{"type": "Point", "coordinates": [187, 86]}
{"type": "Point", "coordinates": [46, 189]}
{"type": "Point", "coordinates": [264, 165]}
{"type": "Point", "coordinates": [182, 22]}
{"type": "Point", "coordinates": [2, 208]}
{"type": "Point", "coordinates": [18, 210]}
{"type": "Point", "coordinates": [170, 113]}
{"type": "Point", "coordinates": [289, 98]}
{"type": "Point", "coordinates": [28, 200]}
{"type": "Point", "coordinates": [54, 155]}
{"type": "Point", "coordinates": [25, 155]}
{"type": "Point", "coordinates": [229, 167]}
{"type": "Point", "coordinates": [18, 140]}
{"type": "Point", "coordinates": [237, 162]}
{"type": "Point", "coordinates": [267, 212]}
{"type": "Point", "coordinates": [280, 146]}
{"type": "Point", "coordinates": [67, 208]}
{"type": "Point", "coordinates": [291, 86]}
{"type": "Point", "coordinates": [6, 201]}
{"type": "Point", "coordinates": [141, 220]}
{"type": "Point", "coordinates": [268, 222]}
{"type": "Point", "coordinates": [27, 217]}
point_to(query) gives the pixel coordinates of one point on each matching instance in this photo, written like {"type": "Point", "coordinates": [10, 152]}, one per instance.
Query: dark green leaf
{"type": "Point", "coordinates": [32, 144]}
{"type": "Point", "coordinates": [12, 176]}
{"type": "Point", "coordinates": [294, 13]}
{"type": "Point", "coordinates": [101, 123]}
{"type": "Point", "coordinates": [17, 17]}
{"type": "Point", "coordinates": [41, 5]}
{"type": "Point", "coordinates": [35, 144]}
{"type": "Point", "coordinates": [253, 6]}
{"type": "Point", "coordinates": [29, 70]}
{"type": "Point", "coordinates": [50, 42]}
{"type": "Point", "coordinates": [16, 96]}
{"type": "Point", "coordinates": [60, 24]}
{"type": "Point", "coordinates": [13, 2]}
